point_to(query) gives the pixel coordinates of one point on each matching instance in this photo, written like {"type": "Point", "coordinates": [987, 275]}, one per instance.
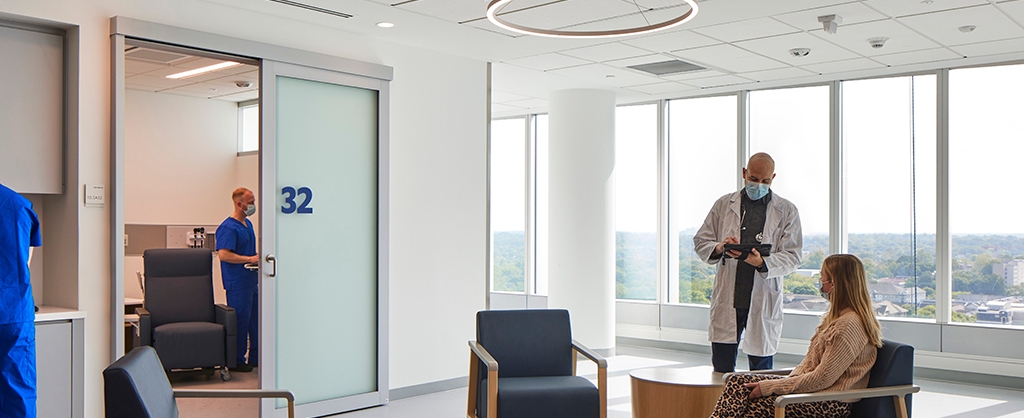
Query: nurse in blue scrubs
{"type": "Point", "coordinates": [236, 247]}
{"type": "Point", "coordinates": [19, 231]}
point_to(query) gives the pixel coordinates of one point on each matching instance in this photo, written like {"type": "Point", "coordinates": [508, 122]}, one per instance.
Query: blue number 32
{"type": "Point", "coordinates": [290, 206]}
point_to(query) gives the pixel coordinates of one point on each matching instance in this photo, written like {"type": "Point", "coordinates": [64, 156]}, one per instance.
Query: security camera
{"type": "Point", "coordinates": [877, 42]}
{"type": "Point", "coordinates": [243, 84]}
{"type": "Point", "coordinates": [799, 52]}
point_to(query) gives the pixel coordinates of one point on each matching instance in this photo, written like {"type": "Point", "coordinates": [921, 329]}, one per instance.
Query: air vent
{"type": "Point", "coordinates": [151, 55]}
{"type": "Point", "coordinates": [667, 67]}
{"type": "Point", "coordinates": [313, 8]}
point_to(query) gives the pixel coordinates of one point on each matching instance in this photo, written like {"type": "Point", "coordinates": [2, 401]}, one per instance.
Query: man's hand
{"type": "Point", "coordinates": [720, 248]}
{"type": "Point", "coordinates": [755, 390]}
{"type": "Point", "coordinates": [254, 259]}
{"type": "Point", "coordinates": [754, 258]}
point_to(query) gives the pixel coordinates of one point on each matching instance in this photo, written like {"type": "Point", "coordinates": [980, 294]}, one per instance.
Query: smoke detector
{"type": "Point", "coordinates": [799, 52]}
{"type": "Point", "coordinates": [967, 28]}
{"type": "Point", "coordinates": [877, 42]}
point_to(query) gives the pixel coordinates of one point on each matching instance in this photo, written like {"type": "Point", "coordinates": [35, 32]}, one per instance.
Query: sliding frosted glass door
{"type": "Point", "coordinates": [323, 274]}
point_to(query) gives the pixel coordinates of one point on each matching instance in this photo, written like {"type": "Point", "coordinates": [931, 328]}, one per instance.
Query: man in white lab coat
{"type": "Point", "coordinates": [747, 295]}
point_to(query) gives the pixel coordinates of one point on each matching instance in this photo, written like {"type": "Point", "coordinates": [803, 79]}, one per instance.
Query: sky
{"type": "Point", "coordinates": [889, 133]}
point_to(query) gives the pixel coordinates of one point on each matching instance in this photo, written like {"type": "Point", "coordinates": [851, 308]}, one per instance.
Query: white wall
{"type": "Point", "coordinates": [438, 126]}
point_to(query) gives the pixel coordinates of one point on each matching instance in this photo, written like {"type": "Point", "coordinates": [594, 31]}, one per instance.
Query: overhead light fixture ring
{"type": "Point", "coordinates": [495, 5]}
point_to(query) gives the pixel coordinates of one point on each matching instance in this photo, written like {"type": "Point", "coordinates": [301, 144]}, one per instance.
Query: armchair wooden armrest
{"type": "Point", "coordinates": [240, 393]}
{"type": "Point", "coordinates": [478, 353]}
{"type": "Point", "coordinates": [897, 392]}
{"type": "Point", "coordinates": [602, 373]}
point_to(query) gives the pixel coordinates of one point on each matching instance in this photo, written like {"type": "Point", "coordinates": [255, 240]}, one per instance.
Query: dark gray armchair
{"type": "Point", "coordinates": [135, 386]}
{"type": "Point", "coordinates": [523, 365]}
{"type": "Point", "coordinates": [178, 317]}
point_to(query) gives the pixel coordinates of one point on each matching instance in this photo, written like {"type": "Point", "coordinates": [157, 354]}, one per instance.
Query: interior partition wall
{"type": "Point", "coordinates": [324, 132]}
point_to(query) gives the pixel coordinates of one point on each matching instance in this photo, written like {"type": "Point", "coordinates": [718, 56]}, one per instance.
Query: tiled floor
{"type": "Point", "coordinates": [936, 400]}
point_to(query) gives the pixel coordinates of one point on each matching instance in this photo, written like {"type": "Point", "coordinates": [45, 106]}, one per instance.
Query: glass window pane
{"type": "Point", "coordinates": [889, 141]}
{"type": "Point", "coordinates": [702, 168]}
{"type": "Point", "coordinates": [508, 205]}
{"type": "Point", "coordinates": [985, 146]}
{"type": "Point", "coordinates": [250, 135]}
{"type": "Point", "coordinates": [636, 202]}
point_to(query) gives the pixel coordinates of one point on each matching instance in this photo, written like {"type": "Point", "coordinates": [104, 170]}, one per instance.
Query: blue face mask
{"type": "Point", "coordinates": [756, 191]}
{"type": "Point", "coordinates": [249, 210]}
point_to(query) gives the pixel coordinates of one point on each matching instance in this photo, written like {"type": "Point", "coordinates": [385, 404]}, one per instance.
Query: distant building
{"type": "Point", "coordinates": [887, 308]}
{"type": "Point", "coordinates": [799, 302]}
{"type": "Point", "coordinates": [807, 272]}
{"type": "Point", "coordinates": [885, 290]}
{"type": "Point", "coordinates": [1011, 271]}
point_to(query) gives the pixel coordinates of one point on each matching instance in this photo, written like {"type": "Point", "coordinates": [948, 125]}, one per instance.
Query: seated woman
{"type": "Point", "coordinates": [841, 354]}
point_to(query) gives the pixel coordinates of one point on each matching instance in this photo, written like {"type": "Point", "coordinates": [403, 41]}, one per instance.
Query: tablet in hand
{"type": "Point", "coordinates": [764, 249]}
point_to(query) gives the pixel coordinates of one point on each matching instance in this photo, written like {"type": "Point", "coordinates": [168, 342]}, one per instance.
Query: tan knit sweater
{"type": "Point", "coordinates": [839, 358]}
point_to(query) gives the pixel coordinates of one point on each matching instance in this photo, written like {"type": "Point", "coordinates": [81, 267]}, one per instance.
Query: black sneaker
{"type": "Point", "coordinates": [242, 368]}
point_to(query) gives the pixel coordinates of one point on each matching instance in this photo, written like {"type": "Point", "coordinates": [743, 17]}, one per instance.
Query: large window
{"type": "Point", "coordinates": [702, 167]}
{"type": "Point", "coordinates": [636, 202]}
{"type": "Point", "coordinates": [508, 205]}
{"type": "Point", "coordinates": [985, 149]}
{"type": "Point", "coordinates": [889, 162]}
{"type": "Point", "coordinates": [248, 127]}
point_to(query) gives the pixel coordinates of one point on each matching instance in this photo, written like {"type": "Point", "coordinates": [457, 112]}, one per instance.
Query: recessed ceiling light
{"type": "Point", "coordinates": [203, 70]}
{"type": "Point", "coordinates": [385, 24]}
{"type": "Point", "coordinates": [967, 28]}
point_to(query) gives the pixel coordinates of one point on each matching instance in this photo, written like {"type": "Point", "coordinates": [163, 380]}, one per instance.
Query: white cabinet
{"type": "Point", "coordinates": [60, 363]}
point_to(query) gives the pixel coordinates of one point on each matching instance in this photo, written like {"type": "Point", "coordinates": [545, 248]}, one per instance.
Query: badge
{"type": "Point", "coordinates": [759, 236]}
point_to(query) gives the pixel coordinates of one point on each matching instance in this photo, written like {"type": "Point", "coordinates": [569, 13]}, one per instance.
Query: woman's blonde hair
{"type": "Point", "coordinates": [850, 290]}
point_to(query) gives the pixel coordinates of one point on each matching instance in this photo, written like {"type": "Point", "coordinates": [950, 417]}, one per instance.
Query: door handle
{"type": "Point", "coordinates": [273, 261]}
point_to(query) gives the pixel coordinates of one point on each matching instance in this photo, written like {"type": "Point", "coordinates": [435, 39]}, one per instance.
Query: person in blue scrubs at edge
{"type": "Point", "coordinates": [19, 232]}
{"type": "Point", "coordinates": [236, 247]}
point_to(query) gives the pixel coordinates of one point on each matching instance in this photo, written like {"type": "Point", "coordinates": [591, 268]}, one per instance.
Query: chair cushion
{"type": "Point", "coordinates": [190, 344]}
{"type": "Point", "coordinates": [135, 386]}
{"type": "Point", "coordinates": [526, 343]}
{"type": "Point", "coordinates": [179, 285]}
{"type": "Point", "coordinates": [549, 396]}
{"type": "Point", "coordinates": [894, 366]}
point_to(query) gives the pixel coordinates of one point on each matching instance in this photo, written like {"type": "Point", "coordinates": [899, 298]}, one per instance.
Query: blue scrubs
{"type": "Point", "coordinates": [240, 285]}
{"type": "Point", "coordinates": [19, 229]}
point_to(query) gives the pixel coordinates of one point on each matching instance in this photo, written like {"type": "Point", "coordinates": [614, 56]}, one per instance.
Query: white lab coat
{"type": "Point", "coordinates": [782, 230]}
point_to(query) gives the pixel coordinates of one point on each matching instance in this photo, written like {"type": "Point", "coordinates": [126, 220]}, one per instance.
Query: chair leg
{"type": "Point", "coordinates": [780, 412]}
{"type": "Point", "coordinates": [474, 371]}
{"type": "Point", "coordinates": [901, 406]}
{"type": "Point", "coordinates": [602, 390]}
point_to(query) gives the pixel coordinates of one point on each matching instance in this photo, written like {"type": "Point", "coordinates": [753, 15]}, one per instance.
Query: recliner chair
{"type": "Point", "coordinates": [179, 318]}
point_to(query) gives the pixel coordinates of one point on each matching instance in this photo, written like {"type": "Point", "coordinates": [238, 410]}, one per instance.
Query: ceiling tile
{"type": "Point", "coordinates": [461, 11]}
{"type": "Point", "coordinates": [989, 48]}
{"type": "Point", "coordinates": [158, 83]}
{"type": "Point", "coordinates": [778, 74]}
{"type": "Point", "coordinates": [729, 58]}
{"type": "Point", "coordinates": [747, 29]}
{"type": "Point", "coordinates": [778, 48]}
{"type": "Point", "coordinates": [843, 66]}
{"type": "Point", "coordinates": [852, 13]}
{"type": "Point", "coordinates": [141, 87]}
{"type": "Point", "coordinates": [671, 41]}
{"type": "Point", "coordinates": [645, 59]}
{"type": "Point", "coordinates": [209, 88]}
{"type": "Point", "coordinates": [1015, 9]}
{"type": "Point", "coordinates": [724, 80]}
{"type": "Point", "coordinates": [632, 19]}
{"type": "Point", "coordinates": [240, 97]}
{"type": "Point", "coordinates": [855, 38]}
{"type": "Point", "coordinates": [546, 62]}
{"type": "Point", "coordinates": [139, 67]}
{"type": "Point", "coordinates": [937, 54]}
{"type": "Point", "coordinates": [531, 103]}
{"type": "Point", "coordinates": [568, 13]}
{"type": "Point", "coordinates": [486, 25]}
{"type": "Point", "coordinates": [501, 96]}
{"type": "Point", "coordinates": [598, 73]}
{"type": "Point", "coordinates": [896, 8]}
{"type": "Point", "coordinates": [693, 74]}
{"type": "Point", "coordinates": [661, 88]}
{"type": "Point", "coordinates": [606, 52]}
{"type": "Point", "coordinates": [942, 26]}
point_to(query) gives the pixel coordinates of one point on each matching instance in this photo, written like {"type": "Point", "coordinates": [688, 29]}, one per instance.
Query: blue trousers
{"type": "Point", "coordinates": [247, 312]}
{"type": "Point", "coordinates": [18, 370]}
{"type": "Point", "coordinates": [723, 355]}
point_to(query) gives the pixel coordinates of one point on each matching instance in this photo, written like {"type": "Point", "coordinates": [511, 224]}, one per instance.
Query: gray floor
{"type": "Point", "coordinates": [937, 399]}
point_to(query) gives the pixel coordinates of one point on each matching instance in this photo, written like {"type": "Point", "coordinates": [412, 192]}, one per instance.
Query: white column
{"type": "Point", "coordinates": [581, 249]}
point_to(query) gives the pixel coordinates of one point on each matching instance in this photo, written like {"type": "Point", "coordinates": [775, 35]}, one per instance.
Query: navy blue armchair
{"type": "Point", "coordinates": [179, 318]}
{"type": "Point", "coordinates": [136, 386]}
{"type": "Point", "coordinates": [889, 390]}
{"type": "Point", "coordinates": [529, 360]}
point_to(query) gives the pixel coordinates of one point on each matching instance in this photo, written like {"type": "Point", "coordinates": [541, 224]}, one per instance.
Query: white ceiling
{"type": "Point", "coordinates": [224, 84]}
{"type": "Point", "coordinates": [741, 42]}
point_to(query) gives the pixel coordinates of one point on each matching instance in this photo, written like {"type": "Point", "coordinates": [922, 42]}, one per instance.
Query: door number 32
{"type": "Point", "coordinates": [290, 206]}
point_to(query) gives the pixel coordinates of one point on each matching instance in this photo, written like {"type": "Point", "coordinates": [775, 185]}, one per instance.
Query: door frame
{"type": "Point", "coordinates": [122, 28]}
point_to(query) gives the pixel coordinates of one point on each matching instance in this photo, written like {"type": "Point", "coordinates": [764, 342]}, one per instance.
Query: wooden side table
{"type": "Point", "coordinates": [675, 392]}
